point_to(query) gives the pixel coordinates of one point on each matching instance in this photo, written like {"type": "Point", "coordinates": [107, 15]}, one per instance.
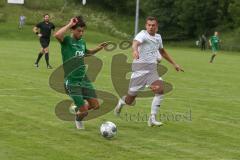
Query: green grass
{"type": "Point", "coordinates": [29, 128]}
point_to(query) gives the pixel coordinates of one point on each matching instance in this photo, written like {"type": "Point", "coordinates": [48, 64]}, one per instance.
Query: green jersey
{"type": "Point", "coordinates": [215, 40]}
{"type": "Point", "coordinates": [215, 43]}
{"type": "Point", "coordinates": [71, 48]}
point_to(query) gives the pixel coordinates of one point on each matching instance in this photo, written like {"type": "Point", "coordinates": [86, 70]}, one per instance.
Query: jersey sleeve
{"type": "Point", "coordinates": [140, 37]}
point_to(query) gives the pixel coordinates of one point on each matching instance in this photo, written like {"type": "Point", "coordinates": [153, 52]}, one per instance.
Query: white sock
{"type": "Point", "coordinates": [122, 101]}
{"type": "Point", "coordinates": [156, 105]}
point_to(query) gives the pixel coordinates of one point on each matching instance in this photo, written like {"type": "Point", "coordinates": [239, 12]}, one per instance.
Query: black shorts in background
{"type": "Point", "coordinates": [44, 42]}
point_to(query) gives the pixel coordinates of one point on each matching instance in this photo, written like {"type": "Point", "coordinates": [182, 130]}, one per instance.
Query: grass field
{"type": "Point", "coordinates": [30, 130]}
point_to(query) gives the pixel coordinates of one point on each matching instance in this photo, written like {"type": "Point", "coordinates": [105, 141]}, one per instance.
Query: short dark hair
{"type": "Point", "coordinates": [46, 15]}
{"type": "Point", "coordinates": [81, 23]}
{"type": "Point", "coordinates": [150, 18]}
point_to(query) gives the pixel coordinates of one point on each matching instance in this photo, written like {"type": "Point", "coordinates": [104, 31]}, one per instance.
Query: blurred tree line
{"type": "Point", "coordinates": [178, 19]}
{"type": "Point", "coordinates": [182, 19]}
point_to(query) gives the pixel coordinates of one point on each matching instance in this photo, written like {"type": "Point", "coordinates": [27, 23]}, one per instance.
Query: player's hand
{"type": "Point", "coordinates": [103, 45]}
{"type": "Point", "coordinates": [39, 35]}
{"type": "Point", "coordinates": [178, 68]}
{"type": "Point", "coordinates": [73, 22]}
{"type": "Point", "coordinates": [135, 54]}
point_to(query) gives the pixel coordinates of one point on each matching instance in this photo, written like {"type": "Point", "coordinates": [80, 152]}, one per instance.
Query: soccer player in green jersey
{"type": "Point", "coordinates": [71, 47]}
{"type": "Point", "coordinates": [214, 43]}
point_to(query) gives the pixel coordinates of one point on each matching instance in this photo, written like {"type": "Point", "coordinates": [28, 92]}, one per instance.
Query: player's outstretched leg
{"type": "Point", "coordinates": [122, 101]}
{"type": "Point", "coordinates": [38, 59]}
{"type": "Point", "coordinates": [47, 58]}
{"type": "Point", "coordinates": [47, 61]}
{"type": "Point", "coordinates": [154, 110]}
{"type": "Point", "coordinates": [118, 108]}
{"type": "Point", "coordinates": [157, 88]}
{"type": "Point", "coordinates": [80, 114]}
{"type": "Point", "coordinates": [93, 103]}
{"type": "Point", "coordinates": [212, 58]}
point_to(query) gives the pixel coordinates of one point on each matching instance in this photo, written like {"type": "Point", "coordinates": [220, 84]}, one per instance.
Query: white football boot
{"type": "Point", "coordinates": [153, 122]}
{"type": "Point", "coordinates": [119, 107]}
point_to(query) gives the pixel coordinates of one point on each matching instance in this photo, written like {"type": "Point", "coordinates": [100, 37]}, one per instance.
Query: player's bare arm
{"type": "Point", "coordinates": [59, 35]}
{"type": "Point", "coordinates": [170, 59]}
{"type": "Point", "coordinates": [135, 49]}
{"type": "Point", "coordinates": [210, 43]}
{"type": "Point", "coordinates": [99, 48]}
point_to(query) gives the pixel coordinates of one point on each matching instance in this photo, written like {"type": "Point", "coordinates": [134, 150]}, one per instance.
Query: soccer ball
{"type": "Point", "coordinates": [108, 129]}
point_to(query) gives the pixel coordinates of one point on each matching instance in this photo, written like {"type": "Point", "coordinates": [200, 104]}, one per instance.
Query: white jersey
{"type": "Point", "coordinates": [22, 18]}
{"type": "Point", "coordinates": [149, 47]}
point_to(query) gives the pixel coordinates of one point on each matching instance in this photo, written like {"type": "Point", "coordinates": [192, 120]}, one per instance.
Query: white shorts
{"type": "Point", "coordinates": [141, 79]}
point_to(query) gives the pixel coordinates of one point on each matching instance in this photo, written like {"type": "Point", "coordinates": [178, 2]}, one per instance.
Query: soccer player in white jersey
{"type": "Point", "coordinates": [147, 51]}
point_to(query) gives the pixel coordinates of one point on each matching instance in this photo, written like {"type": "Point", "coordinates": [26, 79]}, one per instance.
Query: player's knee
{"type": "Point", "coordinates": [157, 89]}
{"type": "Point", "coordinates": [96, 105]}
{"type": "Point", "coordinates": [129, 100]}
{"type": "Point", "coordinates": [93, 104]}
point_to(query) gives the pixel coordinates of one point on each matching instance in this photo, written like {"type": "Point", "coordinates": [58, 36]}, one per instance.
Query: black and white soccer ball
{"type": "Point", "coordinates": [108, 129]}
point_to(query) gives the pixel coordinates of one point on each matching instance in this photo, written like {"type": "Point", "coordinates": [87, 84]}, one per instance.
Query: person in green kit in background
{"type": "Point", "coordinates": [71, 47]}
{"type": "Point", "coordinates": [214, 44]}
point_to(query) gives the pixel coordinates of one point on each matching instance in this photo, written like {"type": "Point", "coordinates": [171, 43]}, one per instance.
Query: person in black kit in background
{"type": "Point", "coordinates": [203, 41]}
{"type": "Point", "coordinates": [44, 35]}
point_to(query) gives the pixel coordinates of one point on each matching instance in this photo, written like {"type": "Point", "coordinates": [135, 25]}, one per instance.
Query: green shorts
{"type": "Point", "coordinates": [215, 48]}
{"type": "Point", "coordinates": [80, 90]}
